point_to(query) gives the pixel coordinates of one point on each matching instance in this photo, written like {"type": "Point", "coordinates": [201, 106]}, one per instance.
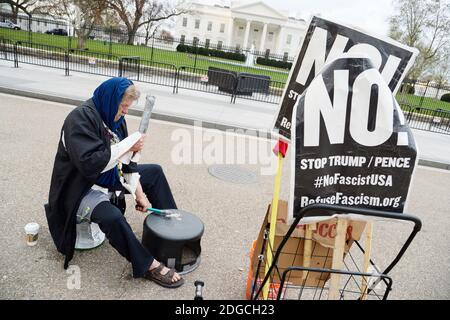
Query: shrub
{"type": "Point", "coordinates": [211, 52]}
{"type": "Point", "coordinates": [274, 63]}
{"type": "Point", "coordinates": [445, 97]}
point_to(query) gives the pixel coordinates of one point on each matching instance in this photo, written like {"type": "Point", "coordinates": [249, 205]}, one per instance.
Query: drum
{"type": "Point", "coordinates": [175, 241]}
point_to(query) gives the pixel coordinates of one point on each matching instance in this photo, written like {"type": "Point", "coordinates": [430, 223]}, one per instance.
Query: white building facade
{"type": "Point", "coordinates": [242, 25]}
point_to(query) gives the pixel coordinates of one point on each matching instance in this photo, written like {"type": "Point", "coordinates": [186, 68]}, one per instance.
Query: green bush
{"type": "Point", "coordinates": [211, 52]}
{"type": "Point", "coordinates": [274, 63]}
{"type": "Point", "coordinates": [446, 97]}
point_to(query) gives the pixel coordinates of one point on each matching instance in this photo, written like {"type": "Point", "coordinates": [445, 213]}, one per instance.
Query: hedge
{"type": "Point", "coordinates": [446, 97]}
{"type": "Point", "coordinates": [211, 52]}
{"type": "Point", "coordinates": [274, 63]}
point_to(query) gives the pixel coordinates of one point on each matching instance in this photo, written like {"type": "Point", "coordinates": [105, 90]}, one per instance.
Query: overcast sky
{"type": "Point", "coordinates": [370, 15]}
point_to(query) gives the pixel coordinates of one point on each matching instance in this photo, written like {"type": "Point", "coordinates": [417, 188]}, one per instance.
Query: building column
{"type": "Point", "coordinates": [230, 32]}
{"type": "Point", "coordinates": [279, 46]}
{"type": "Point", "coordinates": [247, 33]}
{"type": "Point", "coordinates": [263, 38]}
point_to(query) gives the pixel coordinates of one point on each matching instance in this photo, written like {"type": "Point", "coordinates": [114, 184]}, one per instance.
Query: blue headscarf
{"type": "Point", "coordinates": [107, 98]}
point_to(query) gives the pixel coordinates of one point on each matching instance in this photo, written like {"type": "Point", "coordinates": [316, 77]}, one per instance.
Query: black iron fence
{"type": "Point", "coordinates": [164, 49]}
{"type": "Point", "coordinates": [436, 120]}
{"type": "Point", "coordinates": [426, 105]}
{"type": "Point", "coordinates": [212, 80]}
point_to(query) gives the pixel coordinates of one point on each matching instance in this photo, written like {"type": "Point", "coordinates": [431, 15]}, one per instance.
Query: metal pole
{"type": "Point", "coordinates": [426, 88]}
{"type": "Point", "coordinates": [196, 52]}
{"type": "Point", "coordinates": [151, 56]}
{"type": "Point", "coordinates": [138, 67]}
{"type": "Point", "coordinates": [67, 62]}
{"type": "Point", "coordinates": [110, 41]}
{"type": "Point", "coordinates": [16, 61]}
{"type": "Point", "coordinates": [30, 36]}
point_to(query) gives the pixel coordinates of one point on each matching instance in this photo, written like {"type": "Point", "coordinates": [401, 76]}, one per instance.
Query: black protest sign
{"type": "Point", "coordinates": [326, 40]}
{"type": "Point", "coordinates": [350, 140]}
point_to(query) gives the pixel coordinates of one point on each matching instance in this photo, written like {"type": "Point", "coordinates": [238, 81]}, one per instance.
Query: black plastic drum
{"type": "Point", "coordinates": [174, 241]}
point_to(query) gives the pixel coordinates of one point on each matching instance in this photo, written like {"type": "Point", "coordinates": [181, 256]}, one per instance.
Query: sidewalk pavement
{"type": "Point", "coordinates": [186, 107]}
{"type": "Point", "coordinates": [232, 214]}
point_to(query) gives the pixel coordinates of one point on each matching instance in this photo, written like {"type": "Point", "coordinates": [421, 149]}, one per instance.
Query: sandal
{"type": "Point", "coordinates": [164, 280]}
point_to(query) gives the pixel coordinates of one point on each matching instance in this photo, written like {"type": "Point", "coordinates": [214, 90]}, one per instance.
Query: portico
{"type": "Point", "coordinates": [250, 25]}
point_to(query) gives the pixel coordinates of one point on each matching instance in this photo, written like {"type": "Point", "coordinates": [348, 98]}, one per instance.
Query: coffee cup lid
{"type": "Point", "coordinates": [32, 227]}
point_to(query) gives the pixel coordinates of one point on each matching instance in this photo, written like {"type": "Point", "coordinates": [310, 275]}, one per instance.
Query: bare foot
{"type": "Point", "coordinates": [164, 270]}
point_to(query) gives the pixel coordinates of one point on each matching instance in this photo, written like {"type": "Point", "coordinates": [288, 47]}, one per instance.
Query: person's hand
{"type": "Point", "coordinates": [138, 145]}
{"type": "Point", "coordinates": [142, 203]}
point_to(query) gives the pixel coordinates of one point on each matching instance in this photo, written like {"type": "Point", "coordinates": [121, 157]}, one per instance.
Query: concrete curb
{"type": "Point", "coordinates": [434, 164]}
{"type": "Point", "coordinates": [181, 120]}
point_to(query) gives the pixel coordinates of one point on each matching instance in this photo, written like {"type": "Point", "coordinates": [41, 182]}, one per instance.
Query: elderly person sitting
{"type": "Point", "coordinates": [88, 181]}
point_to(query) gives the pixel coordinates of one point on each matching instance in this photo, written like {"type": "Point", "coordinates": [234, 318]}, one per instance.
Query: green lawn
{"type": "Point", "coordinates": [145, 53]}
{"type": "Point", "coordinates": [424, 102]}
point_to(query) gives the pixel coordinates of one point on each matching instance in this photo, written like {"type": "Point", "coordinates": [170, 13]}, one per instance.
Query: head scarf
{"type": "Point", "coordinates": [107, 98]}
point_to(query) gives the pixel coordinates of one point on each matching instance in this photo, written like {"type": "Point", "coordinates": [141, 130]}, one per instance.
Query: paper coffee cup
{"type": "Point", "coordinates": [32, 231]}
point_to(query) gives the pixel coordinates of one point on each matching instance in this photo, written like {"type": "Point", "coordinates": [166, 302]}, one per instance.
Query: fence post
{"type": "Point", "coordinates": [421, 98]}
{"type": "Point", "coordinates": [138, 68]}
{"type": "Point", "coordinates": [151, 56]}
{"type": "Point", "coordinates": [195, 58]}
{"type": "Point", "coordinates": [234, 92]}
{"type": "Point", "coordinates": [30, 35]}
{"type": "Point", "coordinates": [16, 59]}
{"type": "Point", "coordinates": [177, 78]}
{"type": "Point", "coordinates": [66, 57]}
{"type": "Point", "coordinates": [110, 41]}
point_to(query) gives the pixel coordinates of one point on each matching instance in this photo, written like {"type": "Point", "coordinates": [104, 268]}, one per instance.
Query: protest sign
{"type": "Point", "coordinates": [323, 42]}
{"type": "Point", "coordinates": [350, 142]}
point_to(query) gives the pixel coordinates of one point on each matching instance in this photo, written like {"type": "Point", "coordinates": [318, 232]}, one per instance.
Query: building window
{"type": "Point", "coordinates": [222, 27]}
{"type": "Point", "coordinates": [285, 56]}
{"type": "Point", "coordinates": [238, 47]}
{"type": "Point", "coordinates": [185, 22]}
{"type": "Point", "coordinates": [207, 41]}
{"type": "Point", "coordinates": [38, 23]}
{"type": "Point", "coordinates": [197, 23]}
{"type": "Point", "coordinates": [267, 54]}
{"type": "Point", "coordinates": [289, 39]}
{"type": "Point", "coordinates": [195, 41]}
{"type": "Point", "coordinates": [209, 26]}
{"type": "Point", "coordinates": [219, 45]}
{"type": "Point", "coordinates": [256, 30]}
{"type": "Point", "coordinates": [182, 39]}
{"type": "Point", "coordinates": [45, 23]}
{"type": "Point", "coordinates": [270, 38]}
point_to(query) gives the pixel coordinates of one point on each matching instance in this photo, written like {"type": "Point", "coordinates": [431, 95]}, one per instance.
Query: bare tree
{"type": "Point", "coordinates": [83, 15]}
{"type": "Point", "coordinates": [137, 13]}
{"type": "Point", "coordinates": [441, 71]}
{"type": "Point", "coordinates": [425, 25]}
{"type": "Point", "coordinates": [20, 5]}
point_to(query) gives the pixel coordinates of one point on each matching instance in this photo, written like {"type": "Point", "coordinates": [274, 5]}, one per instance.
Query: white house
{"type": "Point", "coordinates": [243, 25]}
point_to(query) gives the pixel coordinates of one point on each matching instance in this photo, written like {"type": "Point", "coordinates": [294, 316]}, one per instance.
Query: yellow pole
{"type": "Point", "coordinates": [273, 221]}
